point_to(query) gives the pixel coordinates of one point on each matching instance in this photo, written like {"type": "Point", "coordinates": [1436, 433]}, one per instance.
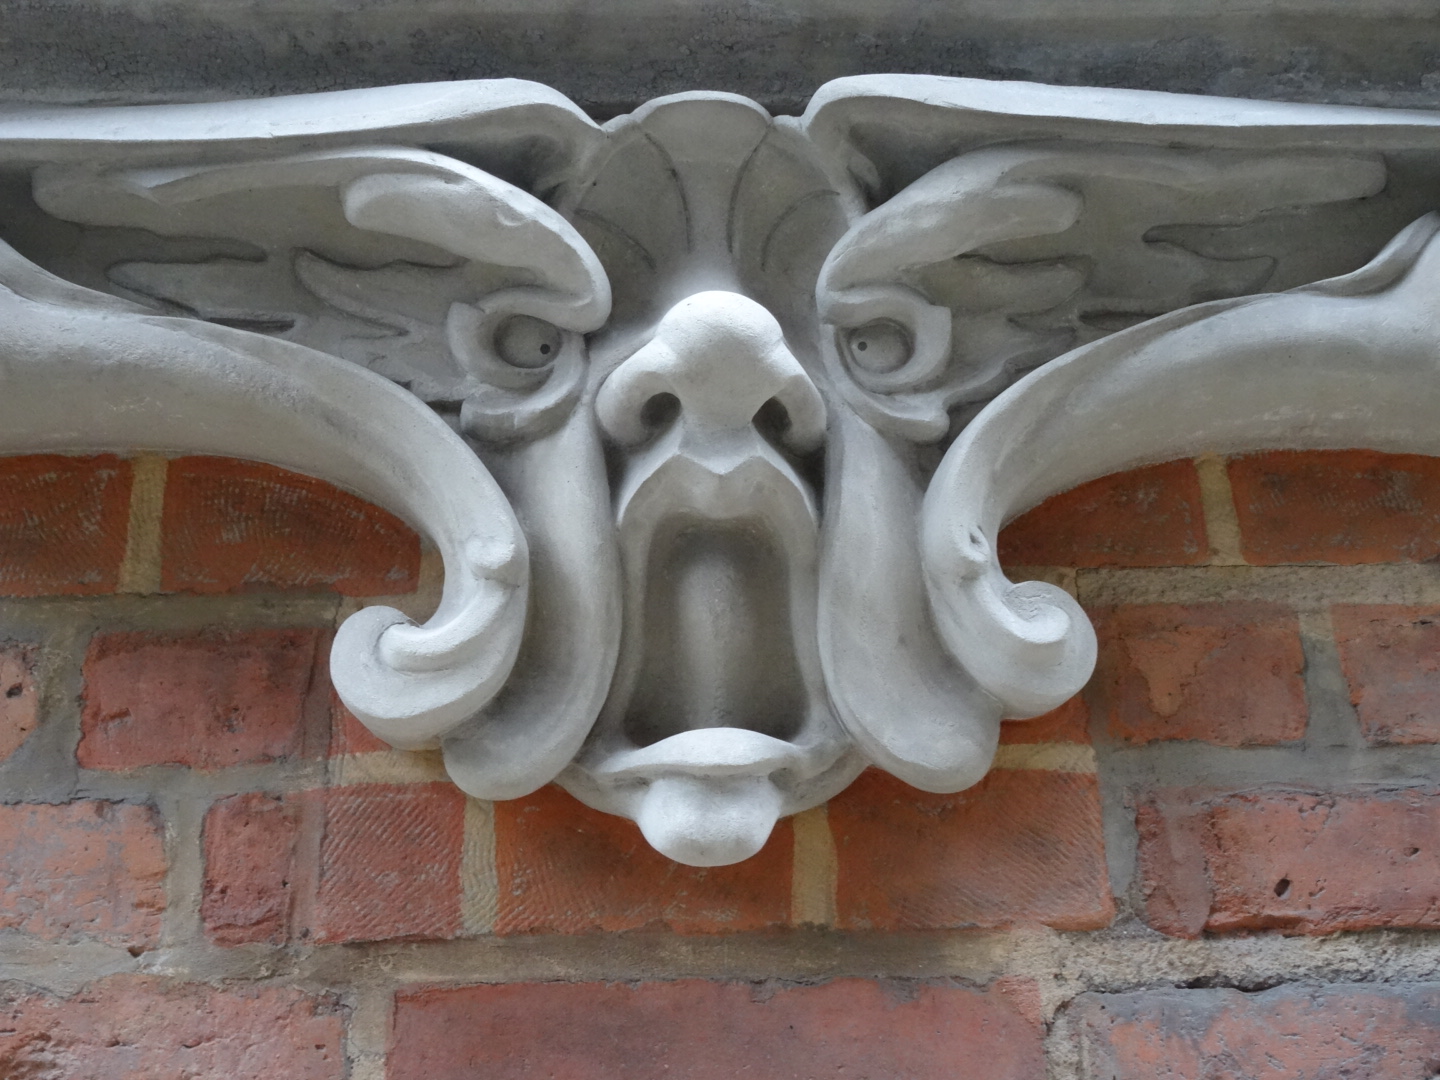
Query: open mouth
{"type": "Point", "coordinates": [719, 649]}
{"type": "Point", "coordinates": [718, 715]}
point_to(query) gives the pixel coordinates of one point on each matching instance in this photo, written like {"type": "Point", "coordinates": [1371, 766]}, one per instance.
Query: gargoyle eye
{"type": "Point", "coordinates": [879, 347]}
{"type": "Point", "coordinates": [527, 342]}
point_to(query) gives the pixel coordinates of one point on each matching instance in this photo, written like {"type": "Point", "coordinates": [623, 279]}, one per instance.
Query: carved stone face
{"type": "Point", "coordinates": [723, 407]}
{"type": "Point", "coordinates": [705, 410]}
{"type": "Point", "coordinates": [711, 406]}
{"type": "Point", "coordinates": [719, 538]}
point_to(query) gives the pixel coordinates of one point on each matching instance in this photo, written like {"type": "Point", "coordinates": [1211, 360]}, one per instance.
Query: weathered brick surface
{"type": "Point", "coordinates": [135, 1028]}
{"type": "Point", "coordinates": [19, 698]}
{"type": "Point", "coordinates": [1022, 846]}
{"type": "Point", "coordinates": [205, 700]}
{"type": "Point", "coordinates": [392, 862]}
{"type": "Point", "coordinates": [1145, 517]}
{"type": "Point", "coordinates": [82, 870]}
{"type": "Point", "coordinates": [231, 526]}
{"type": "Point", "coordinates": [1391, 657]}
{"type": "Point", "coordinates": [695, 1030]}
{"type": "Point", "coordinates": [1289, 1033]}
{"type": "Point", "coordinates": [63, 522]}
{"type": "Point", "coordinates": [1291, 861]}
{"type": "Point", "coordinates": [1338, 506]}
{"type": "Point", "coordinates": [251, 868]}
{"type": "Point", "coordinates": [1227, 674]}
{"type": "Point", "coordinates": [389, 864]}
{"type": "Point", "coordinates": [348, 735]}
{"type": "Point", "coordinates": [564, 868]}
{"type": "Point", "coordinates": [1070, 723]}
{"type": "Point", "coordinates": [1023, 995]}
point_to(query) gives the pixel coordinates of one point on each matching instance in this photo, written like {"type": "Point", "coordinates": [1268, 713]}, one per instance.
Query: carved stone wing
{"type": "Point", "coordinates": [83, 371]}
{"type": "Point", "coordinates": [1353, 361]}
{"type": "Point", "coordinates": [250, 240]}
{"type": "Point", "coordinates": [995, 228]}
{"type": "Point", "coordinates": [441, 275]}
{"type": "Point", "coordinates": [1007, 224]}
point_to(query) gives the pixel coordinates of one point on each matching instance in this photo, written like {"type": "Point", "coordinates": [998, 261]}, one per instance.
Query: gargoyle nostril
{"type": "Point", "coordinates": [659, 411]}
{"type": "Point", "coordinates": [772, 419]}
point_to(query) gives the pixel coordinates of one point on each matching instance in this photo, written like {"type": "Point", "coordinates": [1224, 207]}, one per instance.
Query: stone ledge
{"type": "Point", "coordinates": [610, 57]}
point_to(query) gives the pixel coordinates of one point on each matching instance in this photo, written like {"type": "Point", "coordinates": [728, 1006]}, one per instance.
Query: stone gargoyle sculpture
{"type": "Point", "coordinates": [715, 416]}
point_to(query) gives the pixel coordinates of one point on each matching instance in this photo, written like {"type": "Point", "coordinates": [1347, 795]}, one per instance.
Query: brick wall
{"type": "Point", "coordinates": [1223, 861]}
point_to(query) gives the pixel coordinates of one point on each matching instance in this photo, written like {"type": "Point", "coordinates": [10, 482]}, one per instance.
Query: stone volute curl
{"type": "Point", "coordinates": [714, 416]}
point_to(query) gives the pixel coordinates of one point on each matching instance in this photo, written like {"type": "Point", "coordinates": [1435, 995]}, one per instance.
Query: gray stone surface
{"type": "Point", "coordinates": [610, 55]}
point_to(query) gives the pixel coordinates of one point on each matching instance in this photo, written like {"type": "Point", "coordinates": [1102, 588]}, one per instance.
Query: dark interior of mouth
{"type": "Point", "coordinates": [719, 651]}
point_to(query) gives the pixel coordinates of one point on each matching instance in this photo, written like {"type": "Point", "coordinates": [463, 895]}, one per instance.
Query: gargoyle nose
{"type": "Point", "coordinates": [723, 357]}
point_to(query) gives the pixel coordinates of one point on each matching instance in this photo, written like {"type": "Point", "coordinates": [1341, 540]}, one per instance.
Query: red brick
{"type": "Point", "coordinates": [63, 522]}
{"type": "Point", "coordinates": [1391, 657]}
{"type": "Point", "coordinates": [83, 870]}
{"type": "Point", "coordinates": [1070, 723]}
{"type": "Point", "coordinates": [1297, 862]}
{"type": "Point", "coordinates": [1021, 847]}
{"type": "Point", "coordinates": [1226, 674]}
{"type": "Point", "coordinates": [390, 863]}
{"type": "Point", "coordinates": [19, 699]}
{"type": "Point", "coordinates": [232, 526]}
{"type": "Point", "coordinates": [388, 859]}
{"type": "Point", "coordinates": [1145, 517]}
{"type": "Point", "coordinates": [1024, 997]}
{"type": "Point", "coordinates": [1337, 506]}
{"type": "Point", "coordinates": [137, 1028]}
{"type": "Point", "coordinates": [251, 857]}
{"type": "Point", "coordinates": [1289, 1033]}
{"type": "Point", "coordinates": [565, 868]}
{"type": "Point", "coordinates": [696, 1030]}
{"type": "Point", "coordinates": [348, 735]}
{"type": "Point", "coordinates": [204, 700]}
